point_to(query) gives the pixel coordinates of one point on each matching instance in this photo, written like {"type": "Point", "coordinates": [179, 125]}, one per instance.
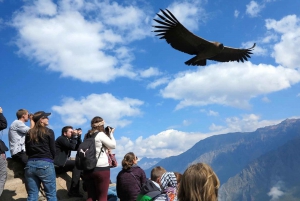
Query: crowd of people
{"type": "Point", "coordinates": [43, 157]}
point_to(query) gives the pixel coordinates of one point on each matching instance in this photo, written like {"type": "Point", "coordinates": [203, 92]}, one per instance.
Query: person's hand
{"type": "Point", "coordinates": [1, 110]}
{"type": "Point", "coordinates": [30, 116]}
{"type": "Point", "coordinates": [112, 130]}
{"type": "Point", "coordinates": [79, 132]}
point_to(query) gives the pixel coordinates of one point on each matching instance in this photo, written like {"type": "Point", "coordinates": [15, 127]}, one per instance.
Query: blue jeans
{"type": "Point", "coordinates": [111, 194]}
{"type": "Point", "coordinates": [37, 172]}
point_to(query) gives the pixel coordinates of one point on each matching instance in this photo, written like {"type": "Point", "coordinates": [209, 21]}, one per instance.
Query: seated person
{"type": "Point", "coordinates": [68, 141]}
{"type": "Point", "coordinates": [151, 188]}
{"type": "Point", "coordinates": [168, 184]}
{"type": "Point", "coordinates": [200, 181]}
{"type": "Point", "coordinates": [16, 135]}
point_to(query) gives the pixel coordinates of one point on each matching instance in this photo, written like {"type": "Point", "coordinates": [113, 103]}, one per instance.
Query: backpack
{"type": "Point", "coordinates": [86, 154]}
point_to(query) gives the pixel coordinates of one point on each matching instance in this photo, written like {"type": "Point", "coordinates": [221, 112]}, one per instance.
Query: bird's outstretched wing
{"type": "Point", "coordinates": [233, 54]}
{"type": "Point", "coordinates": [177, 35]}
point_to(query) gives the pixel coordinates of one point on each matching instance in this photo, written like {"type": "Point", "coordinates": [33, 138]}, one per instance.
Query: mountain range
{"type": "Point", "coordinates": [259, 165]}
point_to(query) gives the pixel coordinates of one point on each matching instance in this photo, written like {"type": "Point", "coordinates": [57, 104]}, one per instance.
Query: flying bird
{"type": "Point", "coordinates": [182, 39]}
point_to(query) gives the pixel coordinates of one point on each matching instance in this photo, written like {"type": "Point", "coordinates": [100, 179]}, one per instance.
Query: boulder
{"type": "Point", "coordinates": [14, 188]}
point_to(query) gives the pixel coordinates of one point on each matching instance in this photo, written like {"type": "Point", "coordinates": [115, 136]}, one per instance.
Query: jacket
{"type": "Point", "coordinates": [44, 148]}
{"type": "Point", "coordinates": [129, 183]}
{"type": "Point", "coordinates": [3, 122]}
{"type": "Point", "coordinates": [149, 191]}
{"type": "Point", "coordinates": [64, 146]}
{"type": "Point", "coordinates": [16, 135]}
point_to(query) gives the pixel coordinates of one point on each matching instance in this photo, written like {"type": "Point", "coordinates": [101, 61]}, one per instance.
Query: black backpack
{"type": "Point", "coordinates": [86, 154]}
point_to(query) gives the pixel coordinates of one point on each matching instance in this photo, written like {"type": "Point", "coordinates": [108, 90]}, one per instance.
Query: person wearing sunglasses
{"type": "Point", "coordinates": [40, 148]}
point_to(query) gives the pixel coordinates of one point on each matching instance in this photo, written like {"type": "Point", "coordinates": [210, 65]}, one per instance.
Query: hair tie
{"type": "Point", "coordinates": [95, 125]}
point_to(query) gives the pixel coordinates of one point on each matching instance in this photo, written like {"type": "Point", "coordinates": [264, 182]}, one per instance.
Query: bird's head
{"type": "Point", "coordinates": [220, 46]}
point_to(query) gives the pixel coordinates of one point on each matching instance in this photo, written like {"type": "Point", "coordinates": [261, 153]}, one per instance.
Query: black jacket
{"type": "Point", "coordinates": [149, 191]}
{"type": "Point", "coordinates": [64, 146]}
{"type": "Point", "coordinates": [44, 148]}
{"type": "Point", "coordinates": [3, 122]}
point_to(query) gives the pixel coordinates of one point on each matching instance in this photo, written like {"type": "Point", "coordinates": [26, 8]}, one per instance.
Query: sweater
{"type": "Point", "coordinates": [103, 142]}
{"type": "Point", "coordinates": [129, 183]}
{"type": "Point", "coordinates": [44, 148]}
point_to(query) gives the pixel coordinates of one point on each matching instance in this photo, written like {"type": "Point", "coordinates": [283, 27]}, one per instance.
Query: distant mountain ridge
{"type": "Point", "coordinates": [278, 169]}
{"type": "Point", "coordinates": [229, 154]}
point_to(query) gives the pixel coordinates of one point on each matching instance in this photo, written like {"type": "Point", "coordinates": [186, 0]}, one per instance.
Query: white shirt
{"type": "Point", "coordinates": [16, 136]}
{"type": "Point", "coordinates": [103, 140]}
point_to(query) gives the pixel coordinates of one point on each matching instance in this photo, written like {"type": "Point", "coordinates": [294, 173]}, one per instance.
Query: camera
{"type": "Point", "coordinates": [108, 129]}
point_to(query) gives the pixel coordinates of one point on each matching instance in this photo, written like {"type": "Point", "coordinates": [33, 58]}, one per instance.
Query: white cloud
{"type": "Point", "coordinates": [265, 99]}
{"type": "Point", "coordinates": [298, 95]}
{"type": "Point", "coordinates": [232, 84]}
{"type": "Point", "coordinates": [275, 193]}
{"type": "Point", "coordinates": [85, 41]}
{"type": "Point", "coordinates": [158, 82]}
{"type": "Point", "coordinates": [115, 111]}
{"type": "Point", "coordinates": [210, 112]}
{"type": "Point", "coordinates": [186, 122]}
{"type": "Point", "coordinates": [253, 8]}
{"type": "Point", "coordinates": [287, 51]}
{"type": "Point", "coordinates": [150, 72]}
{"type": "Point", "coordinates": [165, 144]}
{"type": "Point", "coordinates": [162, 143]}
{"type": "Point", "coordinates": [214, 127]}
{"type": "Point", "coordinates": [189, 13]}
{"type": "Point", "coordinates": [236, 13]}
{"type": "Point", "coordinates": [258, 50]}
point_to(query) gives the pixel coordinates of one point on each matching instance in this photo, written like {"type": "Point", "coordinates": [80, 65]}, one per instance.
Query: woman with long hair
{"type": "Point", "coordinates": [97, 180]}
{"type": "Point", "coordinates": [199, 183]}
{"type": "Point", "coordinates": [130, 179]}
{"type": "Point", "coordinates": [40, 148]}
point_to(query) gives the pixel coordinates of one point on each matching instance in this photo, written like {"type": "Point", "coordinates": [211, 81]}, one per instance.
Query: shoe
{"type": "Point", "coordinates": [75, 194]}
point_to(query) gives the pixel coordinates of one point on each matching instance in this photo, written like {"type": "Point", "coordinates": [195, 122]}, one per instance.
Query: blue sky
{"type": "Point", "coordinates": [79, 59]}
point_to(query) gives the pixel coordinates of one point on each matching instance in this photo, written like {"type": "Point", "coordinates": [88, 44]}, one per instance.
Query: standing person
{"type": "Point", "coordinates": [68, 141]}
{"type": "Point", "coordinates": [130, 179]}
{"type": "Point", "coordinates": [97, 180]}
{"type": "Point", "coordinates": [199, 182]}
{"type": "Point", "coordinates": [3, 163]}
{"type": "Point", "coordinates": [16, 136]}
{"type": "Point", "coordinates": [40, 148]}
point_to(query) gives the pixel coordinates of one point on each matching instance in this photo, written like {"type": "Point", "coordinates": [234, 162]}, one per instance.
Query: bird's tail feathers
{"type": "Point", "coordinates": [195, 62]}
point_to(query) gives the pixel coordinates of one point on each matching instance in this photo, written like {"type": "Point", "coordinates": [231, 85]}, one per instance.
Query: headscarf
{"type": "Point", "coordinates": [168, 179]}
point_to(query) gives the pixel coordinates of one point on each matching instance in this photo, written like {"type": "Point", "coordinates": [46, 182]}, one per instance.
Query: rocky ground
{"type": "Point", "coordinates": [14, 189]}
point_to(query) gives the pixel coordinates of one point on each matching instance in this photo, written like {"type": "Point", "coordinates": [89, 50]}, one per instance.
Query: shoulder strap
{"type": "Point", "coordinates": [136, 180]}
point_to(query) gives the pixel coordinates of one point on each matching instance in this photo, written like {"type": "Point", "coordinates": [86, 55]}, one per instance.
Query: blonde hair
{"type": "Point", "coordinates": [127, 161]}
{"type": "Point", "coordinates": [178, 177]}
{"type": "Point", "coordinates": [199, 183]}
